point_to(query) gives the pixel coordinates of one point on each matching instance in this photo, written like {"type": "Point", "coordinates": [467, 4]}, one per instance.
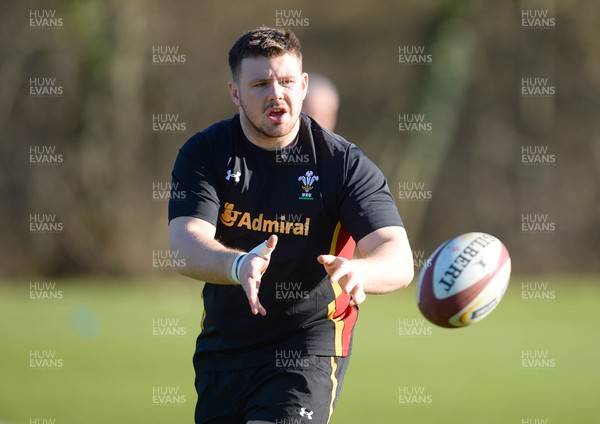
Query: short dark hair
{"type": "Point", "coordinates": [266, 42]}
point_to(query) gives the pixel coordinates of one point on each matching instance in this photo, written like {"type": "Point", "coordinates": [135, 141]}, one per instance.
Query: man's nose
{"type": "Point", "coordinates": [276, 91]}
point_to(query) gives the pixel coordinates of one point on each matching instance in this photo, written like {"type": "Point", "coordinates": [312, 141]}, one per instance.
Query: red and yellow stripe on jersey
{"type": "Point", "coordinates": [339, 310]}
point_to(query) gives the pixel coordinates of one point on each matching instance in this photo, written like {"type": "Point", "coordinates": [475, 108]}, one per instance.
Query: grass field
{"type": "Point", "coordinates": [111, 351]}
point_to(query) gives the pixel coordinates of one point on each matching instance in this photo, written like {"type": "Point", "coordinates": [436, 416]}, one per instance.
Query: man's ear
{"type": "Point", "coordinates": [234, 92]}
{"type": "Point", "coordinates": [304, 85]}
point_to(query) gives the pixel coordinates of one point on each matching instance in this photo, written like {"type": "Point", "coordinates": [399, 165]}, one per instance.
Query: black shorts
{"type": "Point", "coordinates": [287, 390]}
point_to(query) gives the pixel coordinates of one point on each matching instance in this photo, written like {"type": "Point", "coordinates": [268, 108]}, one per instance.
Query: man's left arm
{"type": "Point", "coordinates": [386, 264]}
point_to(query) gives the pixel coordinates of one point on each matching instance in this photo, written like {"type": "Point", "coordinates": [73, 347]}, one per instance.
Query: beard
{"type": "Point", "coordinates": [266, 130]}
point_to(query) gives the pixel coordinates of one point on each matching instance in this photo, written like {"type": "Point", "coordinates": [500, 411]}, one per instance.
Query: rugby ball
{"type": "Point", "coordinates": [463, 280]}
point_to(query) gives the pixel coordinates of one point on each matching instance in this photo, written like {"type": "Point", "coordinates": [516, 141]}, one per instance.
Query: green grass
{"type": "Point", "coordinates": [103, 332]}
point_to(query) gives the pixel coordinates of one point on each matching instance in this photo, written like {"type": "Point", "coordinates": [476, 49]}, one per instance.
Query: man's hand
{"type": "Point", "coordinates": [347, 274]}
{"type": "Point", "coordinates": [252, 268]}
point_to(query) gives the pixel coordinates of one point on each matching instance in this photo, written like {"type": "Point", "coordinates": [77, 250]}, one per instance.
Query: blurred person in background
{"type": "Point", "coordinates": [322, 101]}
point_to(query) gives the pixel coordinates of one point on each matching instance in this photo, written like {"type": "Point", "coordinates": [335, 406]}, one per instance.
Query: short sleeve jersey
{"type": "Point", "coordinates": [317, 196]}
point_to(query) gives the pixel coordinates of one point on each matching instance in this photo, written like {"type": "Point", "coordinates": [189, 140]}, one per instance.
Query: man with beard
{"type": "Point", "coordinates": [274, 204]}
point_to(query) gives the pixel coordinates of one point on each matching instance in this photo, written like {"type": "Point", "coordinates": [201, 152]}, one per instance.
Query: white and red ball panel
{"type": "Point", "coordinates": [465, 279]}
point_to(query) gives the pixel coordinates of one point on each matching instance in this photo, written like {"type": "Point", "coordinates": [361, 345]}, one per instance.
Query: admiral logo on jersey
{"type": "Point", "coordinates": [230, 217]}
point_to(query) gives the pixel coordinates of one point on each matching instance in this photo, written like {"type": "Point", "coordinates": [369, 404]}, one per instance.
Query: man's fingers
{"type": "Point", "coordinates": [335, 270]}
{"type": "Point", "coordinates": [256, 269]}
{"type": "Point", "coordinates": [326, 259]}
{"type": "Point", "coordinates": [358, 296]}
{"type": "Point", "coordinates": [272, 241]}
{"type": "Point", "coordinates": [261, 310]}
{"type": "Point", "coordinates": [265, 249]}
{"type": "Point", "coordinates": [258, 308]}
{"type": "Point", "coordinates": [342, 271]}
{"type": "Point", "coordinates": [348, 283]}
{"type": "Point", "coordinates": [252, 294]}
{"type": "Point", "coordinates": [255, 306]}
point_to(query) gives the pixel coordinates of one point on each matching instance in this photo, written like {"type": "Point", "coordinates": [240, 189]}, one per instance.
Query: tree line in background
{"type": "Point", "coordinates": [482, 118]}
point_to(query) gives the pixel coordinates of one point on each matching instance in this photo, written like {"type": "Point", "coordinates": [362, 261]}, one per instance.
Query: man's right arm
{"type": "Point", "coordinates": [193, 239]}
{"type": "Point", "coordinates": [208, 260]}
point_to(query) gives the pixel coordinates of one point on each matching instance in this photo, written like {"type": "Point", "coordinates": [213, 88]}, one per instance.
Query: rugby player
{"type": "Point", "coordinates": [274, 208]}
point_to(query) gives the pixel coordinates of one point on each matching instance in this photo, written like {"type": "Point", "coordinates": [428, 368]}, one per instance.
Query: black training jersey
{"type": "Point", "coordinates": [318, 196]}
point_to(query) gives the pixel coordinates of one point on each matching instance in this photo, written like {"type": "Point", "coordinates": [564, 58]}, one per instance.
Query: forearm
{"type": "Point", "coordinates": [389, 267]}
{"type": "Point", "coordinates": [205, 258]}
{"type": "Point", "coordinates": [386, 265]}
{"type": "Point", "coordinates": [193, 240]}
{"type": "Point", "coordinates": [386, 262]}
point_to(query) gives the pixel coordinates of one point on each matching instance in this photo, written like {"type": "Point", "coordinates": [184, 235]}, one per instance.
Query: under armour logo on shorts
{"type": "Point", "coordinates": [308, 414]}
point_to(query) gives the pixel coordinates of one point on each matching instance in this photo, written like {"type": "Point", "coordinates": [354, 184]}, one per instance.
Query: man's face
{"type": "Point", "coordinates": [269, 93]}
